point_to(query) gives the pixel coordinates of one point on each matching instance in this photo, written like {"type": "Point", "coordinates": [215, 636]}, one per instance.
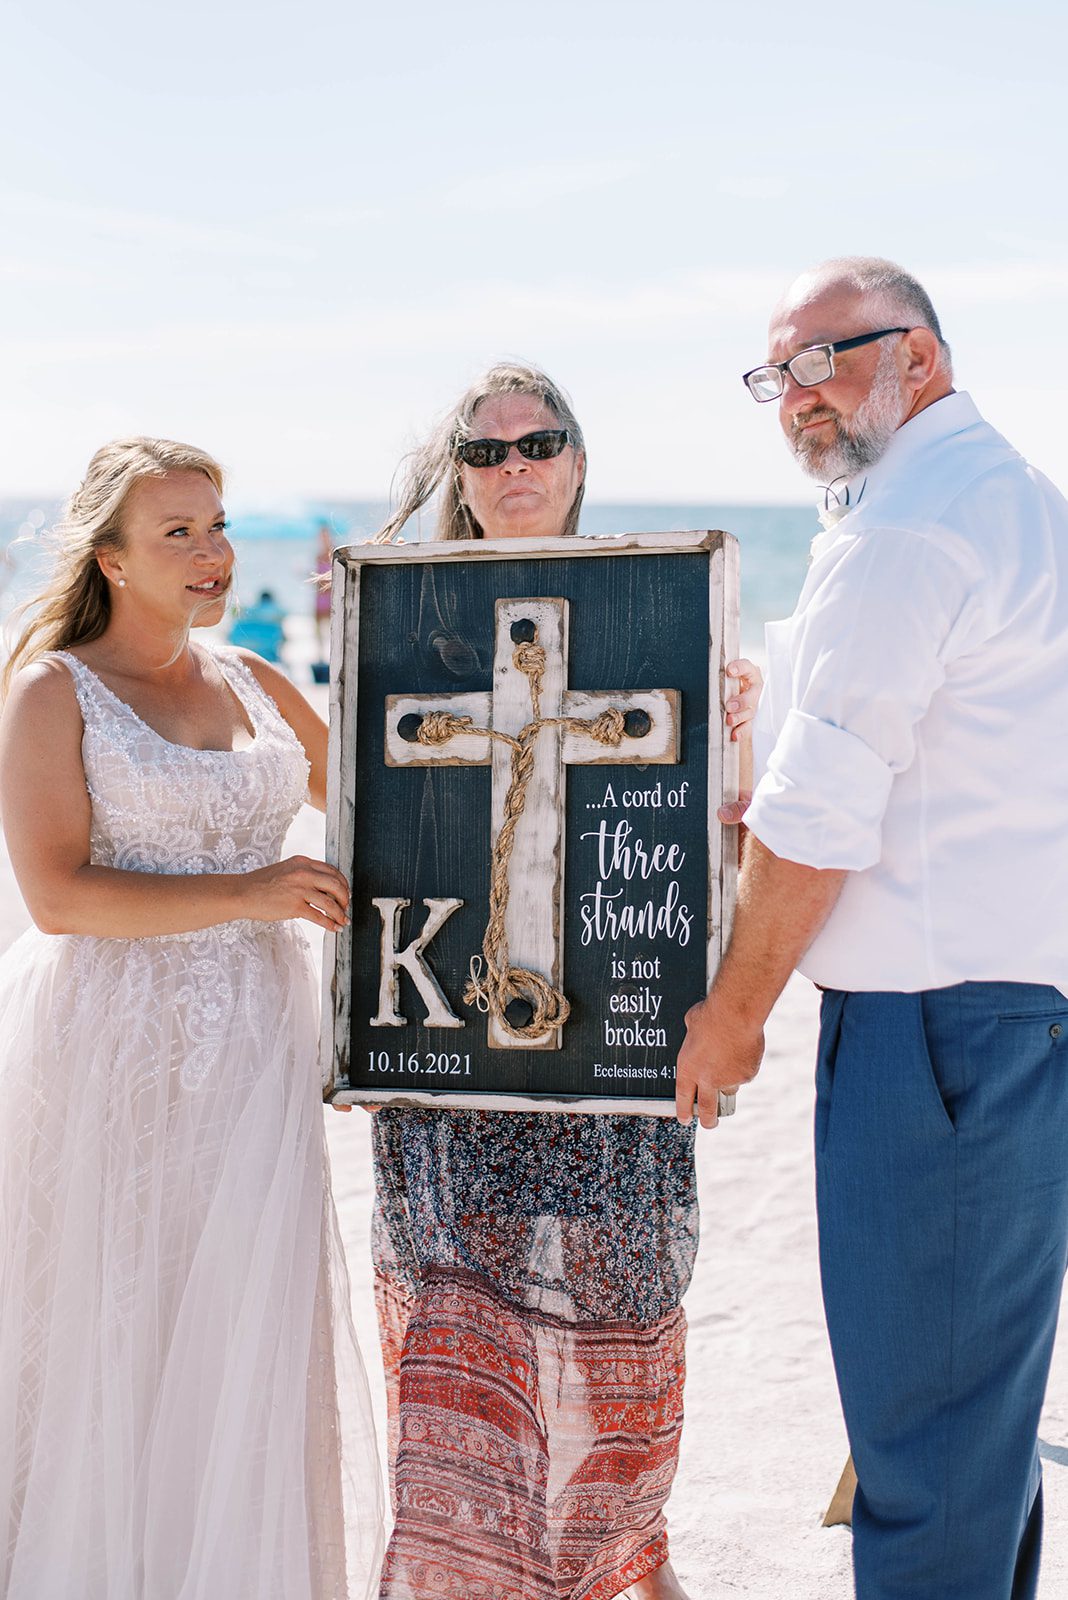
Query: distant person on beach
{"type": "Point", "coordinates": [184, 1410]}
{"type": "Point", "coordinates": [260, 628]}
{"type": "Point", "coordinates": [557, 1245]}
{"type": "Point", "coordinates": [324, 561]}
{"type": "Point", "coordinates": [906, 850]}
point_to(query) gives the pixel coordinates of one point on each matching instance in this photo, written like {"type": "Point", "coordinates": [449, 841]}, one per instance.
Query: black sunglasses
{"type": "Point", "coordinates": [540, 446]}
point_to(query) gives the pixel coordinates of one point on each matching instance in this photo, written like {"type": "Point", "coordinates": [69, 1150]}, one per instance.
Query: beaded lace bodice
{"type": "Point", "coordinates": [163, 807]}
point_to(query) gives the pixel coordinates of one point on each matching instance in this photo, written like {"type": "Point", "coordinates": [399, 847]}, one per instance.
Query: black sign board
{"type": "Point", "coordinates": [527, 753]}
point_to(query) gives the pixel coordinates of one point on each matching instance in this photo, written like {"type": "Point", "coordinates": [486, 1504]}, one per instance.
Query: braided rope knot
{"type": "Point", "coordinates": [608, 728]}
{"type": "Point", "coordinates": [529, 659]}
{"type": "Point", "coordinates": [438, 727]}
{"type": "Point", "coordinates": [500, 986]}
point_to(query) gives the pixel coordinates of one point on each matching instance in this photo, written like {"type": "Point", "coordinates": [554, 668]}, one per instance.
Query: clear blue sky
{"type": "Point", "coordinates": [292, 233]}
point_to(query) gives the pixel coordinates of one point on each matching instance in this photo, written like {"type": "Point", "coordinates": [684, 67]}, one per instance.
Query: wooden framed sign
{"type": "Point", "coordinates": [527, 750]}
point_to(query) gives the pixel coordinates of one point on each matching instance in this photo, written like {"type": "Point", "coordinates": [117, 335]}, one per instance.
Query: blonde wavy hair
{"type": "Point", "coordinates": [75, 605]}
{"type": "Point", "coordinates": [434, 464]}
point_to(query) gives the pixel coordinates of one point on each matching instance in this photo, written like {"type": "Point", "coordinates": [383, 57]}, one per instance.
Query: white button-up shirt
{"type": "Point", "coordinates": [914, 723]}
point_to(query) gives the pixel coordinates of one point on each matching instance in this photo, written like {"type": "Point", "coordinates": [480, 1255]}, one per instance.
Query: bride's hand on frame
{"type": "Point", "coordinates": [298, 887]}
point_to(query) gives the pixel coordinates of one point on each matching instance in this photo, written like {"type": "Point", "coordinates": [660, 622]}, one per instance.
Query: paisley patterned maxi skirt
{"type": "Point", "coordinates": [529, 1273]}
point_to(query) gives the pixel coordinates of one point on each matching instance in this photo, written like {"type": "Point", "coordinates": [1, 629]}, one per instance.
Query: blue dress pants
{"type": "Point", "coordinates": [942, 1186]}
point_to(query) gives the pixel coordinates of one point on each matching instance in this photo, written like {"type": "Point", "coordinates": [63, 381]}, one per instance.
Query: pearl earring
{"type": "Point", "coordinates": [122, 583]}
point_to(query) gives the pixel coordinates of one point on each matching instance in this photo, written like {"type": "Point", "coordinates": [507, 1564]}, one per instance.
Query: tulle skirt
{"type": "Point", "coordinates": [183, 1411]}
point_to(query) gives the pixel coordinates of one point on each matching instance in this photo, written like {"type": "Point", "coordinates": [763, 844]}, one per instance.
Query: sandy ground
{"type": "Point", "coordinates": [764, 1441]}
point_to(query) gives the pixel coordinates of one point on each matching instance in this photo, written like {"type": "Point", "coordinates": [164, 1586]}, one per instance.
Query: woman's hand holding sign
{"type": "Point", "coordinates": [740, 710]}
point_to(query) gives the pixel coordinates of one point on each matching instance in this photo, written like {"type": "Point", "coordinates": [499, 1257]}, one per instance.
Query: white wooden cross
{"type": "Point", "coordinates": [533, 921]}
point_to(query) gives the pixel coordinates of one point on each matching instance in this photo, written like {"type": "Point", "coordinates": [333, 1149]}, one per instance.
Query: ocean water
{"type": "Point", "coordinates": [276, 550]}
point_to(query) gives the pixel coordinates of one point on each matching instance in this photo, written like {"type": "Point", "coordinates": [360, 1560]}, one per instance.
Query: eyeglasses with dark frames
{"type": "Point", "coordinates": [808, 367]}
{"type": "Point", "coordinates": [540, 446]}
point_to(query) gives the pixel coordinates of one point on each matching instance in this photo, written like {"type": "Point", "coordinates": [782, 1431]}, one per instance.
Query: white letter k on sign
{"type": "Point", "coordinates": [438, 1013]}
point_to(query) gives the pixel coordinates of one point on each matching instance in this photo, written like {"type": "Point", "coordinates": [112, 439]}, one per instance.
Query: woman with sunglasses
{"type": "Point", "coordinates": [529, 1267]}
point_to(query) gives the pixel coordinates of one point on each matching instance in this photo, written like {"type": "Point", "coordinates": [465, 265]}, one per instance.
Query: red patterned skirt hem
{"type": "Point", "coordinates": [530, 1458]}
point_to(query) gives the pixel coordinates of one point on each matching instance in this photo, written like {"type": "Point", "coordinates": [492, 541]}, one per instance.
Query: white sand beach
{"type": "Point", "coordinates": [764, 1441]}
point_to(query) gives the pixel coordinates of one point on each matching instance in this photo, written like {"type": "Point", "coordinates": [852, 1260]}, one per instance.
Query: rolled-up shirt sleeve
{"type": "Point", "coordinates": [869, 649]}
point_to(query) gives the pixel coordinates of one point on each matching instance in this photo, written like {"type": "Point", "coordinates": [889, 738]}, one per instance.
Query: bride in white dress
{"type": "Point", "coordinates": [183, 1413]}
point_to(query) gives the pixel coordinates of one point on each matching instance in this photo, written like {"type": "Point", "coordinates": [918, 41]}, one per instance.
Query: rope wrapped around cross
{"type": "Point", "coordinates": [502, 984]}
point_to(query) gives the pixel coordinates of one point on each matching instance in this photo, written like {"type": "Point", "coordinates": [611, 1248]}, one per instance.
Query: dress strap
{"type": "Point", "coordinates": [258, 702]}
{"type": "Point", "coordinates": [71, 661]}
{"type": "Point", "coordinates": [87, 686]}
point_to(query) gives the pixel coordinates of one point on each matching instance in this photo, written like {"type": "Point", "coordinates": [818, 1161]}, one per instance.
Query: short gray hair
{"type": "Point", "coordinates": [898, 295]}
{"type": "Point", "coordinates": [433, 464]}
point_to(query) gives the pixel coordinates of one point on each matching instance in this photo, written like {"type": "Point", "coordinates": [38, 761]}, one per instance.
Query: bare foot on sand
{"type": "Point", "coordinates": [659, 1585]}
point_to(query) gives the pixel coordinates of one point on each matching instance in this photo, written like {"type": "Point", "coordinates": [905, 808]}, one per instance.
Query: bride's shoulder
{"type": "Point", "coordinates": [42, 697]}
{"type": "Point", "coordinates": [50, 676]}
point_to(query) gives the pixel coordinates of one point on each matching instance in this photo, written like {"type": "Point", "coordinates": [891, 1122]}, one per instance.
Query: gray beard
{"type": "Point", "coordinates": [860, 442]}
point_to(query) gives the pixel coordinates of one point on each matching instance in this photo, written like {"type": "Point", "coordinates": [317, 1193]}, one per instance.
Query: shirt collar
{"type": "Point", "coordinates": [841, 497]}
{"type": "Point", "coordinates": [938, 421]}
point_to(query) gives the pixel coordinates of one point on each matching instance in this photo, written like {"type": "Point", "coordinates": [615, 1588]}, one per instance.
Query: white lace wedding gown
{"type": "Point", "coordinates": [183, 1413]}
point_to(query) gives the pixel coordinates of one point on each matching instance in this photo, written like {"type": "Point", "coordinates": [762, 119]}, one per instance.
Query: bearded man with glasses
{"type": "Point", "coordinates": [894, 858]}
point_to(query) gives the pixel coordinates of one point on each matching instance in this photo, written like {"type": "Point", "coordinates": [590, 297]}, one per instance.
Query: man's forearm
{"type": "Point", "coordinates": [781, 908]}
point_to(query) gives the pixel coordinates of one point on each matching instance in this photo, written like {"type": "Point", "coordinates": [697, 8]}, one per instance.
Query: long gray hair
{"type": "Point", "coordinates": [434, 464]}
